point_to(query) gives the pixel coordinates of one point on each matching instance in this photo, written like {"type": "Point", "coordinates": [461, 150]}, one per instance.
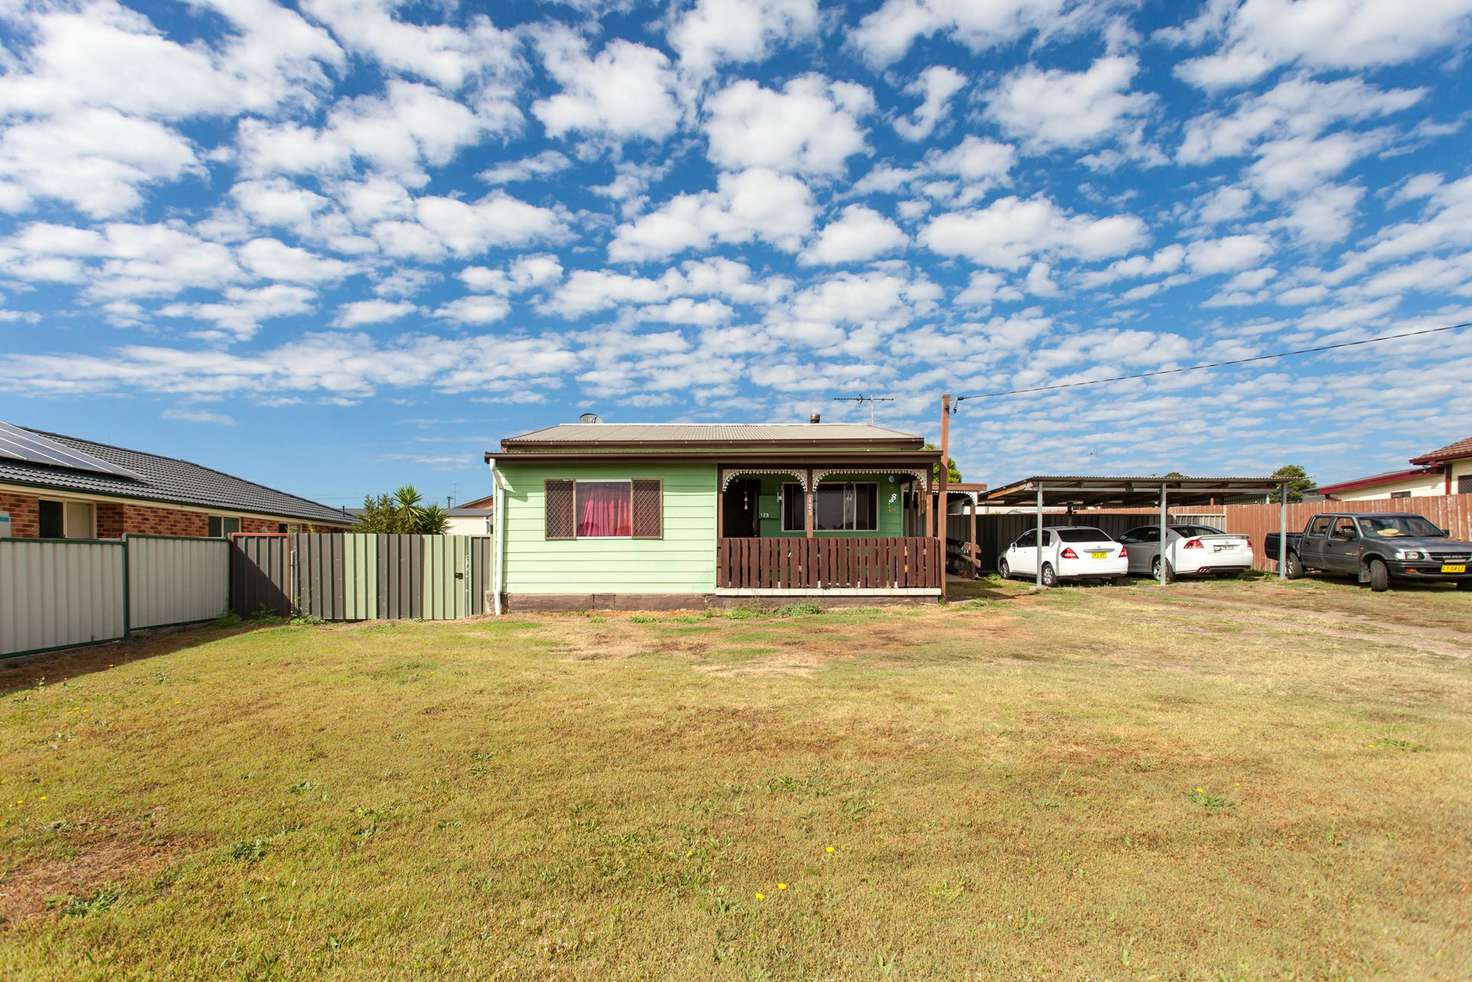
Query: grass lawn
{"type": "Point", "coordinates": [1223, 779]}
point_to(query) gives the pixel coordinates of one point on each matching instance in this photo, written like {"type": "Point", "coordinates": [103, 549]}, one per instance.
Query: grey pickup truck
{"type": "Point", "coordinates": [1376, 548]}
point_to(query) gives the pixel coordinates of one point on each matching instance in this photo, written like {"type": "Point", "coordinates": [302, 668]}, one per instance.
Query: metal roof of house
{"type": "Point", "coordinates": [1106, 489]}
{"type": "Point", "coordinates": [601, 435]}
{"type": "Point", "coordinates": [162, 479]}
{"type": "Point", "coordinates": [1452, 451]}
{"type": "Point", "coordinates": [1384, 477]}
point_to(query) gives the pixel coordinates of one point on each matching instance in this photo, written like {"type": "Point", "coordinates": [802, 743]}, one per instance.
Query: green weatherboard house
{"type": "Point", "coordinates": [656, 515]}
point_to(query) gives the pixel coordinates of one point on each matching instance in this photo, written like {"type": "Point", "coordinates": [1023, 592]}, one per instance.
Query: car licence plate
{"type": "Point", "coordinates": [1454, 567]}
{"type": "Point", "coordinates": [1099, 555]}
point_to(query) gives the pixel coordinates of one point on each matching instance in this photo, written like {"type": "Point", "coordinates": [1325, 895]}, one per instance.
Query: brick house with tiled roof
{"type": "Point", "coordinates": [57, 486]}
{"type": "Point", "coordinates": [1447, 470]}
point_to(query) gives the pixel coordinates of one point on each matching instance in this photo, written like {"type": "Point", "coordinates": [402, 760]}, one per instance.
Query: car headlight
{"type": "Point", "coordinates": [1405, 554]}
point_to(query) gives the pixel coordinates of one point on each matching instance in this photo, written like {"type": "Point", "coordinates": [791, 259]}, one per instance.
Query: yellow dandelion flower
{"type": "Point", "coordinates": [760, 895]}
{"type": "Point", "coordinates": [830, 850]}
{"type": "Point", "coordinates": [1200, 790]}
{"type": "Point", "coordinates": [781, 886]}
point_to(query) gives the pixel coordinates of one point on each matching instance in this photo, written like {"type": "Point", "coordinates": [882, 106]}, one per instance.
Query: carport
{"type": "Point", "coordinates": [1137, 492]}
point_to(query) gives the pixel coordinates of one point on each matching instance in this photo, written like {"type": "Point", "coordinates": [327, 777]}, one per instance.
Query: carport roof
{"type": "Point", "coordinates": [1087, 490]}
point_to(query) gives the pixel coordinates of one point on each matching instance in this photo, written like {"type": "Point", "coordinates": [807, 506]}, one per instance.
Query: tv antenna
{"type": "Point", "coordinates": [871, 400]}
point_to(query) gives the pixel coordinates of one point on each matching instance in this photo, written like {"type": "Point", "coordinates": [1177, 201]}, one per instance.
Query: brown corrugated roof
{"type": "Point", "coordinates": [1452, 451]}
{"type": "Point", "coordinates": [567, 435]}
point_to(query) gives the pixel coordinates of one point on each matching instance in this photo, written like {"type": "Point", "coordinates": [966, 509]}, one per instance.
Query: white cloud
{"type": "Point", "coordinates": [625, 91]}
{"type": "Point", "coordinates": [714, 32]}
{"type": "Point", "coordinates": [1166, 260]}
{"type": "Point", "coordinates": [755, 204]}
{"type": "Point", "coordinates": [526, 273]}
{"type": "Point", "coordinates": [886, 34]}
{"type": "Point", "coordinates": [544, 164]}
{"type": "Point", "coordinates": [1295, 107]}
{"type": "Point", "coordinates": [588, 291]}
{"type": "Point", "coordinates": [411, 126]}
{"type": "Point", "coordinates": [1010, 231]}
{"type": "Point", "coordinates": [986, 288]}
{"type": "Point", "coordinates": [1225, 204]}
{"type": "Point", "coordinates": [198, 416]}
{"type": "Point", "coordinates": [858, 234]}
{"type": "Point", "coordinates": [277, 202]}
{"type": "Point", "coordinates": [811, 126]}
{"type": "Point", "coordinates": [128, 261]}
{"type": "Point", "coordinates": [96, 160]}
{"type": "Point", "coordinates": [873, 303]}
{"type": "Point", "coordinates": [479, 309]}
{"type": "Point", "coordinates": [1297, 164]}
{"type": "Point", "coordinates": [683, 310]}
{"type": "Point", "coordinates": [1228, 254]}
{"type": "Point", "coordinates": [498, 219]}
{"type": "Point", "coordinates": [1324, 215]}
{"type": "Point", "coordinates": [446, 55]}
{"type": "Point", "coordinates": [360, 312]}
{"type": "Point", "coordinates": [1051, 108]}
{"type": "Point", "coordinates": [273, 259]}
{"type": "Point", "coordinates": [239, 311]}
{"type": "Point", "coordinates": [1260, 35]}
{"type": "Point", "coordinates": [936, 85]}
{"type": "Point", "coordinates": [332, 364]}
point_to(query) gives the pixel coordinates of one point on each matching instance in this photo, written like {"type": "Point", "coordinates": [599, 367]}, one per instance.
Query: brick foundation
{"type": "Point", "coordinates": [25, 514]}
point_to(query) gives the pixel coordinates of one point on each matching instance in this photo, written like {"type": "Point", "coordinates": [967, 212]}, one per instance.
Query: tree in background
{"type": "Point", "coordinates": [1298, 480]}
{"type": "Point", "coordinates": [401, 514]}
{"type": "Point", "coordinates": [953, 473]}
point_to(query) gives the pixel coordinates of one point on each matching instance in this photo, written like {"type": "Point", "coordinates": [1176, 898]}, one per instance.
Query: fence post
{"type": "Point", "coordinates": [127, 590]}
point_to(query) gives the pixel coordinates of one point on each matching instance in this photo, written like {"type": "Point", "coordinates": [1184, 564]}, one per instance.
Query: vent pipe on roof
{"type": "Point", "coordinates": [815, 418]}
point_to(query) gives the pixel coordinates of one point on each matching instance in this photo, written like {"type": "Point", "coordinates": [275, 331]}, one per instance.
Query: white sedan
{"type": "Point", "coordinates": [1190, 550]}
{"type": "Point", "coordinates": [1072, 552]}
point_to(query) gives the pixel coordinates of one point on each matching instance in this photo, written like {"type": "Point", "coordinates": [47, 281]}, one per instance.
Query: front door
{"type": "Point", "coordinates": [741, 518]}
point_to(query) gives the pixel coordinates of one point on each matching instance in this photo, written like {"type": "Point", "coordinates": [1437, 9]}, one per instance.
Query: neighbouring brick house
{"type": "Point", "coordinates": [55, 486]}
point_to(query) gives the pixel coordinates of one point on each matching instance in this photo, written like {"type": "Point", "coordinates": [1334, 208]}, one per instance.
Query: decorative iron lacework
{"type": "Point", "coordinates": [648, 508]}
{"type": "Point", "coordinates": [729, 475]}
{"type": "Point", "coordinates": [917, 473]}
{"type": "Point", "coordinates": [558, 522]}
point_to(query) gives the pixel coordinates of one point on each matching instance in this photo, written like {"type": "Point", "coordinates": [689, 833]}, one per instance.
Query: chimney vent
{"type": "Point", "coordinates": [815, 418]}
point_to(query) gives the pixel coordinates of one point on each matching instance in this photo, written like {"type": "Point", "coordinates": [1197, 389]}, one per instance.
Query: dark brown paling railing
{"type": "Point", "coordinates": [879, 563]}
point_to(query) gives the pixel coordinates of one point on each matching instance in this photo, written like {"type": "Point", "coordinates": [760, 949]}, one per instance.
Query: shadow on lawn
{"type": "Point", "coordinates": [24, 671]}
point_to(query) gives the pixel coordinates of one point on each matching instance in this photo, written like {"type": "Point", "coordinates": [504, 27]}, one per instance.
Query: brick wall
{"type": "Point", "coordinates": [147, 520]}
{"type": "Point", "coordinates": [109, 520]}
{"type": "Point", "coordinates": [259, 525]}
{"type": "Point", "coordinates": [25, 514]}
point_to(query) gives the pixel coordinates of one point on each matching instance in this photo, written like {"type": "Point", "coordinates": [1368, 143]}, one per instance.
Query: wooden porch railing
{"type": "Point", "coordinates": [898, 562]}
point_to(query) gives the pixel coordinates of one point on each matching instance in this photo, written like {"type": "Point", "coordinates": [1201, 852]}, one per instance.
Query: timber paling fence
{"type": "Point", "coordinates": [61, 593]}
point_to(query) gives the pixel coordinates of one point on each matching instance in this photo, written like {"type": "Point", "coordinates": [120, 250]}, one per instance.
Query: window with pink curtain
{"type": "Point", "coordinates": [604, 508]}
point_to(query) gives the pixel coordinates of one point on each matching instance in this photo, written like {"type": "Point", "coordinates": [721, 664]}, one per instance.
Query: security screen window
{"type": "Point", "coordinates": [847, 507]}
{"type": "Point", "coordinates": [51, 520]}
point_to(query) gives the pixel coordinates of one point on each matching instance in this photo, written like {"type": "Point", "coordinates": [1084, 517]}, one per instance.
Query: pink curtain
{"type": "Point", "coordinates": [604, 508]}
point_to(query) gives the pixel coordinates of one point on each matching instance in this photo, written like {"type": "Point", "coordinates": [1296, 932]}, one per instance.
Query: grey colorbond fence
{"type": "Point", "coordinates": [360, 576]}
{"type": "Point", "coordinates": [59, 593]}
{"type": "Point", "coordinates": [176, 580]}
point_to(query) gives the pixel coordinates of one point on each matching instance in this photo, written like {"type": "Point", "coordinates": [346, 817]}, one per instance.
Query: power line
{"type": "Point", "coordinates": [1212, 364]}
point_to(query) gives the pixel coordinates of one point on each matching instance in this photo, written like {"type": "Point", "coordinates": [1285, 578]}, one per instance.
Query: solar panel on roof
{"type": "Point", "coordinates": [19, 444]}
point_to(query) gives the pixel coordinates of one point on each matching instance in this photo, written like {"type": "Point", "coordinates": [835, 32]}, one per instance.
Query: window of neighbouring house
{"type": "Point", "coordinates": [53, 524]}
{"type": "Point", "coordinates": [1400, 494]}
{"type": "Point", "coordinates": [221, 526]}
{"type": "Point", "coordinates": [604, 509]}
{"type": "Point", "coordinates": [1464, 484]}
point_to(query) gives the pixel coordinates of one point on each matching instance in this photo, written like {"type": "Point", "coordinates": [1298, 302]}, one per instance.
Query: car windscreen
{"type": "Point", "coordinates": [1082, 535]}
{"type": "Point", "coordinates": [1190, 530]}
{"type": "Point", "coordinates": [1398, 526]}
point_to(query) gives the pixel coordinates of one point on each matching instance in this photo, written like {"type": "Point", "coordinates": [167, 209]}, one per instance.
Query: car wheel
{"type": "Point", "coordinates": [1050, 578]}
{"type": "Point", "coordinates": [1170, 574]}
{"type": "Point", "coordinates": [1294, 568]}
{"type": "Point", "coordinates": [1379, 576]}
{"type": "Point", "coordinates": [1005, 570]}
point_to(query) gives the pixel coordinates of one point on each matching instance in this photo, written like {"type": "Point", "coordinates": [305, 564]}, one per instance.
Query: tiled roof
{"type": "Point", "coordinates": [1452, 451]}
{"type": "Point", "coordinates": [645, 434]}
{"type": "Point", "coordinates": [164, 479]}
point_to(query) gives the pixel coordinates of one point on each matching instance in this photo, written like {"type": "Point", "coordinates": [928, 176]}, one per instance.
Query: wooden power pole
{"type": "Point", "coordinates": [943, 497]}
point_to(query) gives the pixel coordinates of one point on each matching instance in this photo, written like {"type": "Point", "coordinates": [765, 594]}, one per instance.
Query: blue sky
{"type": "Point", "coordinates": [345, 245]}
